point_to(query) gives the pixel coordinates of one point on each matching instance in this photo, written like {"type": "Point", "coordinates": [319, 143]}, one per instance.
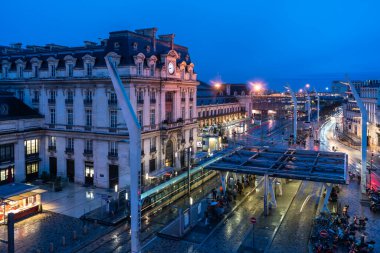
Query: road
{"type": "Point", "coordinates": [329, 139]}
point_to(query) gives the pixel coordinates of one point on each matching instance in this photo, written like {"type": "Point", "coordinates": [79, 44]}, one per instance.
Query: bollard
{"type": "Point", "coordinates": [63, 241]}
{"type": "Point", "coordinates": [51, 248]}
{"type": "Point", "coordinates": [74, 235]}
{"type": "Point", "coordinates": [85, 229]}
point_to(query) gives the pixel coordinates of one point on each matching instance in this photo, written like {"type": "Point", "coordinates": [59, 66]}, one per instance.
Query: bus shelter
{"type": "Point", "coordinates": [272, 163]}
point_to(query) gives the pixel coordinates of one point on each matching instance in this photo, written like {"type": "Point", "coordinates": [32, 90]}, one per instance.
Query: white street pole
{"type": "Point", "coordinates": [364, 118]}
{"type": "Point", "coordinates": [294, 99]}
{"type": "Point", "coordinates": [316, 94]}
{"type": "Point", "coordinates": [134, 130]}
{"type": "Point", "coordinates": [308, 105]}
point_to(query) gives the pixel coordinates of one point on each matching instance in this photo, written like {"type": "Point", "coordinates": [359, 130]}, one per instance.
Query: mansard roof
{"type": "Point", "coordinates": [12, 108]}
{"type": "Point", "coordinates": [121, 42]}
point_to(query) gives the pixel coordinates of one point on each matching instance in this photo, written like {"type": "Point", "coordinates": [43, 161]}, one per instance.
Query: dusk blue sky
{"type": "Point", "coordinates": [276, 41]}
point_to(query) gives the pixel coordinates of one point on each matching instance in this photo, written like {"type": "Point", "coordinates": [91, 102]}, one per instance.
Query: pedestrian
{"type": "Point", "coordinates": [214, 193]}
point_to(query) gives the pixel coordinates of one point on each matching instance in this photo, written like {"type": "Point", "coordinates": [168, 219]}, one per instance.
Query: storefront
{"type": "Point", "coordinates": [21, 199]}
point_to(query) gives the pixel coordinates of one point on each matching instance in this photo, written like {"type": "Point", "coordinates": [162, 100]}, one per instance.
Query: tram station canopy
{"type": "Point", "coordinates": [318, 166]}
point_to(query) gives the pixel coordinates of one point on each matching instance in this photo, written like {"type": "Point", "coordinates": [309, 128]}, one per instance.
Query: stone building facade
{"type": "Point", "coordinates": [85, 137]}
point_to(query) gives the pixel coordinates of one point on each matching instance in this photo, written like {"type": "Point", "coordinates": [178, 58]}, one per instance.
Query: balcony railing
{"type": "Point", "coordinates": [112, 155]}
{"type": "Point", "coordinates": [52, 148]}
{"type": "Point", "coordinates": [140, 101]}
{"type": "Point", "coordinates": [69, 150]}
{"type": "Point", "coordinates": [69, 101]}
{"type": "Point", "coordinates": [35, 100]}
{"type": "Point", "coordinates": [183, 99]}
{"type": "Point", "coordinates": [152, 100]}
{"type": "Point", "coordinates": [51, 101]}
{"type": "Point", "coordinates": [88, 152]}
{"type": "Point", "coordinates": [112, 129]}
{"type": "Point", "coordinates": [69, 126]}
{"type": "Point", "coordinates": [87, 102]}
{"type": "Point", "coordinates": [112, 102]}
{"type": "Point", "coordinates": [87, 128]}
{"type": "Point", "coordinates": [191, 99]}
{"type": "Point", "coordinates": [153, 149]}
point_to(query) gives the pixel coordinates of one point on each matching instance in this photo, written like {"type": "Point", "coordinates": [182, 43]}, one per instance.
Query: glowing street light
{"type": "Point", "coordinates": [300, 90]}
{"type": "Point", "coordinates": [307, 86]}
{"type": "Point", "coordinates": [327, 88]}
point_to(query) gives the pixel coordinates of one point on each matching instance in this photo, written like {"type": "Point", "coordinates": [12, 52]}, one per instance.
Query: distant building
{"type": "Point", "coordinates": [369, 91]}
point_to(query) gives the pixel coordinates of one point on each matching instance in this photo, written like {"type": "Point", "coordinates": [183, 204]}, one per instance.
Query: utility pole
{"type": "Point", "coordinates": [134, 129]}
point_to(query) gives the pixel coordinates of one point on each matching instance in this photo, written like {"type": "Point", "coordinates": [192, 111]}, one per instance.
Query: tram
{"type": "Point", "coordinates": [166, 193]}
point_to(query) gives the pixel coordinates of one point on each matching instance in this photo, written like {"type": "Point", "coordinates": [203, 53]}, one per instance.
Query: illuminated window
{"type": "Point", "coordinates": [32, 168]}
{"type": "Point", "coordinates": [32, 147]}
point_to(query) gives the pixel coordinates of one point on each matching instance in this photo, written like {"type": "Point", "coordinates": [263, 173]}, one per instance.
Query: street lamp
{"type": "Point", "coordinates": [364, 118]}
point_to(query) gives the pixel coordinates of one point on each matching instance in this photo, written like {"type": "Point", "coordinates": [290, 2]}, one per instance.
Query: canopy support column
{"type": "Point", "coordinates": [272, 184]}
{"type": "Point", "coordinates": [328, 187]}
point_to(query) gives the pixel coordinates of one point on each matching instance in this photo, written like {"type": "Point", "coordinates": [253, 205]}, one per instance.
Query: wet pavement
{"type": "Point", "coordinates": [232, 231]}
{"type": "Point", "coordinates": [37, 232]}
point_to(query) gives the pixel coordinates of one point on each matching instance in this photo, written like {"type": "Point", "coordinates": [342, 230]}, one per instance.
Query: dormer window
{"type": "Point", "coordinates": [70, 64]}
{"type": "Point", "coordinates": [70, 69]}
{"type": "Point", "coordinates": [35, 71]}
{"type": "Point", "coordinates": [89, 63]}
{"type": "Point", "coordinates": [139, 69]}
{"type": "Point", "coordinates": [139, 61]}
{"type": "Point", "coordinates": [5, 68]}
{"type": "Point", "coordinates": [148, 49]}
{"type": "Point", "coordinates": [151, 61]}
{"type": "Point", "coordinates": [36, 65]}
{"type": "Point", "coordinates": [134, 45]}
{"type": "Point", "coordinates": [5, 71]}
{"type": "Point", "coordinates": [52, 71]}
{"type": "Point", "coordinates": [88, 69]}
{"type": "Point", "coordinates": [116, 45]}
{"type": "Point", "coordinates": [20, 68]}
{"type": "Point", "coordinates": [53, 63]}
{"type": "Point", "coordinates": [152, 69]}
{"type": "Point", "coordinates": [114, 58]}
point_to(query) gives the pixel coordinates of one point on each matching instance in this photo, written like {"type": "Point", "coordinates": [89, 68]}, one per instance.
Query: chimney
{"type": "Point", "coordinates": [16, 45]}
{"type": "Point", "coordinates": [150, 32]}
{"type": "Point", "coordinates": [228, 89]}
{"type": "Point", "coordinates": [169, 38]}
{"type": "Point", "coordinates": [104, 42]}
{"type": "Point", "coordinates": [89, 43]}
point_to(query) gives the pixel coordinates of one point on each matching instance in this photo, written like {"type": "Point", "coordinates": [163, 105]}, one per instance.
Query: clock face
{"type": "Point", "coordinates": [171, 68]}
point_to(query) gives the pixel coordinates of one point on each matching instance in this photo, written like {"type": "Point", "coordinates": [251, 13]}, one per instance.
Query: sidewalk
{"type": "Point", "coordinates": [266, 227]}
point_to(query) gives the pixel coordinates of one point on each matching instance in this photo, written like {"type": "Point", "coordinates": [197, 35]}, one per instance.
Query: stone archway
{"type": "Point", "coordinates": [169, 154]}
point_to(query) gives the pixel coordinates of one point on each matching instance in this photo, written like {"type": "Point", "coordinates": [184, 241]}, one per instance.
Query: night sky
{"type": "Point", "coordinates": [280, 41]}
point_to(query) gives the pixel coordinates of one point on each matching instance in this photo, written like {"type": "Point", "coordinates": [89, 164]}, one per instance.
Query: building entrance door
{"type": "Point", "coordinates": [169, 154]}
{"type": "Point", "coordinates": [89, 173]}
{"type": "Point", "coordinates": [70, 170]}
{"type": "Point", "coordinates": [113, 175]}
{"type": "Point", "coordinates": [53, 167]}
